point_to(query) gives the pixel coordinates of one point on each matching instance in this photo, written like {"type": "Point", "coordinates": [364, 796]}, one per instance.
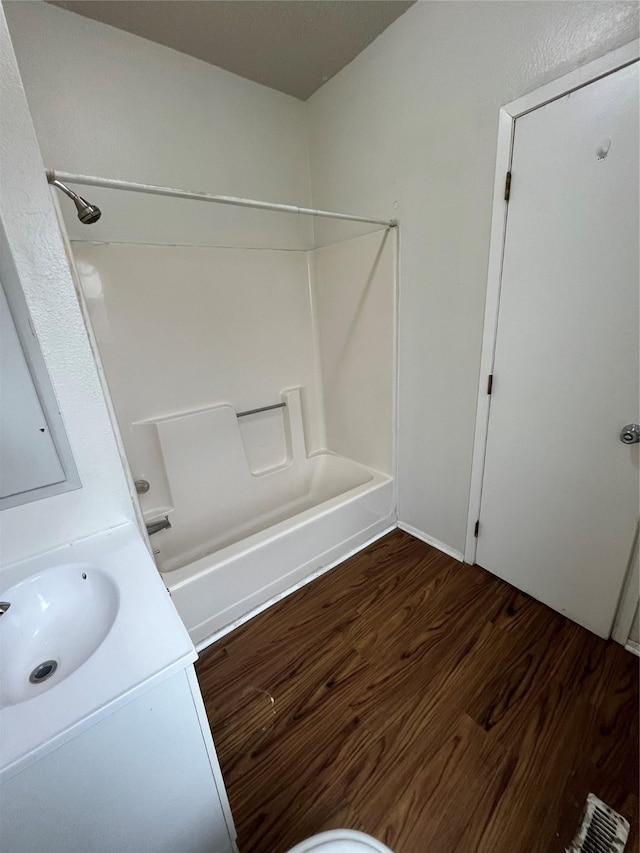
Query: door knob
{"type": "Point", "coordinates": [630, 434]}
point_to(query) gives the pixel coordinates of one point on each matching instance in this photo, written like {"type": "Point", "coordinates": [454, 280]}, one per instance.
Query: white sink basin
{"type": "Point", "coordinates": [113, 634]}
{"type": "Point", "coordinates": [56, 621]}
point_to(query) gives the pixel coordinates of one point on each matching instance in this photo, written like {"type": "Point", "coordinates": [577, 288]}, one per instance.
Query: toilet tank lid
{"type": "Point", "coordinates": [341, 841]}
{"type": "Point", "coordinates": [340, 846]}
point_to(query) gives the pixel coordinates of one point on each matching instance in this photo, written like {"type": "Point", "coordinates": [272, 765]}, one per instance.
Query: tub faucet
{"type": "Point", "coordinates": [157, 526]}
{"type": "Point", "coordinates": [4, 606]}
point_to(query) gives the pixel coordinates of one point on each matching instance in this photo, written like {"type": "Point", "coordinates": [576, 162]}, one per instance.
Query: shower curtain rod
{"type": "Point", "coordinates": [130, 186]}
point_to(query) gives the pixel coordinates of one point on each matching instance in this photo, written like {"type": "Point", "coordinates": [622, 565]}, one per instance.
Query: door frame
{"type": "Point", "coordinates": [602, 67]}
{"type": "Point", "coordinates": [628, 599]}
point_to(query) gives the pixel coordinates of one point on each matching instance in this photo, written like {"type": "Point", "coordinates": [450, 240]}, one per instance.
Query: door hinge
{"type": "Point", "coordinates": [490, 383]}
{"type": "Point", "coordinates": [476, 529]}
{"type": "Point", "coordinates": [507, 186]}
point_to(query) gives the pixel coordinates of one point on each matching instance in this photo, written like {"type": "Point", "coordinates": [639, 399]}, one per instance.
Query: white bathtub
{"type": "Point", "coordinates": [337, 509]}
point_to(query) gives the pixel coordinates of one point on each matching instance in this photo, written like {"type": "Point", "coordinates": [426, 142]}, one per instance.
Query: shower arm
{"type": "Point", "coordinates": [54, 177]}
{"type": "Point", "coordinates": [87, 213]}
{"type": "Point", "coordinates": [54, 182]}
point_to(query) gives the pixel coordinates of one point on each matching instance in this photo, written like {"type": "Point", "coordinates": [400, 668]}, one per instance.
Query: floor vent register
{"type": "Point", "coordinates": [602, 830]}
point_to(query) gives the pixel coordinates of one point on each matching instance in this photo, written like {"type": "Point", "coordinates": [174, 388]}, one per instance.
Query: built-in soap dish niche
{"type": "Point", "coordinates": [272, 434]}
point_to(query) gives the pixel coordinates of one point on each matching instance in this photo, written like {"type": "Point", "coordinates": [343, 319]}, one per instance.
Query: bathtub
{"type": "Point", "coordinates": [337, 508]}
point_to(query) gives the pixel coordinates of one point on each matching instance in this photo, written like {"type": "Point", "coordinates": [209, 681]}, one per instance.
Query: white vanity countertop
{"type": "Point", "coordinates": [146, 644]}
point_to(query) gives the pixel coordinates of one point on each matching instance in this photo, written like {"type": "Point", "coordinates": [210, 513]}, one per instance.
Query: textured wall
{"type": "Point", "coordinates": [413, 120]}
{"type": "Point", "coordinates": [32, 231]}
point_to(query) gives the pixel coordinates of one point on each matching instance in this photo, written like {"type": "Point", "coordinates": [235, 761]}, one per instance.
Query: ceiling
{"type": "Point", "coordinates": [291, 45]}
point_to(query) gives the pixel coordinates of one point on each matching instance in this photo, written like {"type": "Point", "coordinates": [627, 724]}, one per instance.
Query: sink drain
{"type": "Point", "coordinates": [43, 671]}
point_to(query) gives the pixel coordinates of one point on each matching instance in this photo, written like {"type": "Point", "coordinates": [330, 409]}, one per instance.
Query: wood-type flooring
{"type": "Point", "coordinates": [424, 702]}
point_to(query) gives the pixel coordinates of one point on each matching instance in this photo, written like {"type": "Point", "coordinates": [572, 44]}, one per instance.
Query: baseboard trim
{"type": "Point", "coordinates": [633, 647]}
{"type": "Point", "coordinates": [424, 537]}
{"type": "Point", "coordinates": [217, 635]}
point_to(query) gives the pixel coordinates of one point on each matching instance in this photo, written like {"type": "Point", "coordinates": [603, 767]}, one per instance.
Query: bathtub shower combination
{"type": "Point", "coordinates": [253, 385]}
{"type": "Point", "coordinates": [266, 529]}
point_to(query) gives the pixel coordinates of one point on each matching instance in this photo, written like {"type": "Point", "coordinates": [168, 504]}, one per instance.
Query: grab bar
{"type": "Point", "coordinates": [261, 409]}
{"type": "Point", "coordinates": [157, 526]}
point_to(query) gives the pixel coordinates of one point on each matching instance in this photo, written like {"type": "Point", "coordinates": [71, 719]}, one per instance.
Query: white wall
{"type": "Point", "coordinates": [185, 328]}
{"type": "Point", "coordinates": [32, 231]}
{"type": "Point", "coordinates": [355, 309]}
{"type": "Point", "coordinates": [413, 120]}
{"type": "Point", "coordinates": [108, 103]}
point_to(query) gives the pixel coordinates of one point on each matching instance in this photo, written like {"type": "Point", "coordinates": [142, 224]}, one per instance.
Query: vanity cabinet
{"type": "Point", "coordinates": [144, 778]}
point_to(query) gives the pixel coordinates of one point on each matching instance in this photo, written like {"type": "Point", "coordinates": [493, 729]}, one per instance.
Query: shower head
{"type": "Point", "coordinates": [87, 213]}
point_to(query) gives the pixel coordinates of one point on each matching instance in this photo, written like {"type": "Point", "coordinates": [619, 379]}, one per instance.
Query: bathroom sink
{"type": "Point", "coordinates": [98, 609]}
{"type": "Point", "coordinates": [55, 622]}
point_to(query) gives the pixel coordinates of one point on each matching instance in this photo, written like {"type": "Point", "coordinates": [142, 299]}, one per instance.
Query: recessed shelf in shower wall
{"type": "Point", "coordinates": [266, 439]}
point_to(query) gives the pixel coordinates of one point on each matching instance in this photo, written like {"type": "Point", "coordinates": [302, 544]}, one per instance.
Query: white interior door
{"type": "Point", "coordinates": [560, 496]}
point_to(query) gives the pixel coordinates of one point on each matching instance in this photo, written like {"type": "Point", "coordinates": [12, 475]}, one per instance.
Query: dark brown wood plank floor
{"type": "Point", "coordinates": [424, 702]}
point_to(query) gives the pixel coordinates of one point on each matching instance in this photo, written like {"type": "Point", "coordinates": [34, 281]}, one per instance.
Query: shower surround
{"type": "Point", "coordinates": [192, 338]}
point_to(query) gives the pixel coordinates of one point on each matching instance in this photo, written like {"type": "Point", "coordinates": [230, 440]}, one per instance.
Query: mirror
{"type": "Point", "coordinates": [35, 456]}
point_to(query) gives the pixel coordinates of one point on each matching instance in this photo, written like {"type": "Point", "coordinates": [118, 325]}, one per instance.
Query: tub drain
{"type": "Point", "coordinates": [43, 671]}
